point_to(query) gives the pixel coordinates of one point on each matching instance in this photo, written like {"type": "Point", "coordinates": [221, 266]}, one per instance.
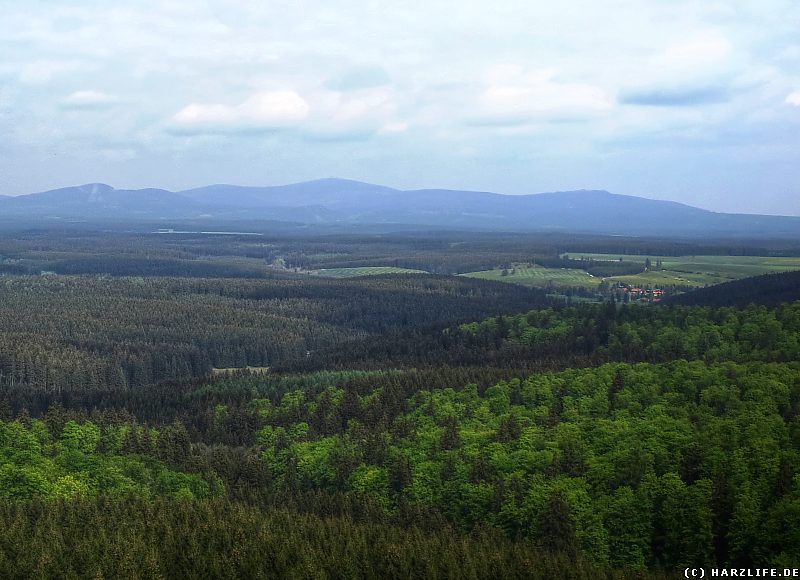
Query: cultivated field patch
{"type": "Point", "coordinates": [365, 271]}
{"type": "Point", "coordinates": [539, 277]}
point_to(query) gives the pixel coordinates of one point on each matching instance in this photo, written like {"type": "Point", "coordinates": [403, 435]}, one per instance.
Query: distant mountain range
{"type": "Point", "coordinates": [352, 203]}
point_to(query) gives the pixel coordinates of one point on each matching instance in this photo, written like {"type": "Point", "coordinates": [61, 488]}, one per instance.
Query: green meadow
{"type": "Point", "coordinates": [729, 267]}
{"type": "Point", "coordinates": [539, 277]}
{"type": "Point", "coordinates": [689, 271]}
{"type": "Point", "coordinates": [366, 271]}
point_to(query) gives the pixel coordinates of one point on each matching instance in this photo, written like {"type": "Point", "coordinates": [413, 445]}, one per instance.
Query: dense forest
{"type": "Point", "coordinates": [770, 289]}
{"type": "Point", "coordinates": [57, 336]}
{"type": "Point", "coordinates": [392, 426]}
{"type": "Point", "coordinates": [663, 466]}
{"type": "Point", "coordinates": [145, 252]}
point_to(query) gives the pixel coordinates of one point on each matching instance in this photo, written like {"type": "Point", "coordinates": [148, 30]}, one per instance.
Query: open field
{"type": "Point", "coordinates": [687, 271]}
{"type": "Point", "coordinates": [366, 271]}
{"type": "Point", "coordinates": [727, 267]}
{"type": "Point", "coordinates": [668, 278]}
{"type": "Point", "coordinates": [539, 277]}
{"type": "Point", "coordinates": [697, 271]}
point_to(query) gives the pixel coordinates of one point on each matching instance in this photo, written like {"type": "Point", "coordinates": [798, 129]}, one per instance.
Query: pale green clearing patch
{"type": "Point", "coordinates": [539, 277]}
{"type": "Point", "coordinates": [233, 370]}
{"type": "Point", "coordinates": [697, 270]}
{"type": "Point", "coordinates": [692, 271]}
{"type": "Point", "coordinates": [668, 278]}
{"type": "Point", "coordinates": [365, 271]}
{"type": "Point", "coordinates": [727, 266]}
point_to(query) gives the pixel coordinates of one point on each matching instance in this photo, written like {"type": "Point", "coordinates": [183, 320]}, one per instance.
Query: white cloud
{"type": "Point", "coordinates": [42, 72]}
{"type": "Point", "coordinates": [514, 95]}
{"type": "Point", "coordinates": [89, 99]}
{"type": "Point", "coordinates": [700, 50]}
{"type": "Point", "coordinates": [265, 110]}
{"type": "Point", "coordinates": [278, 107]}
{"type": "Point", "coordinates": [793, 99]}
{"type": "Point", "coordinates": [394, 127]}
{"type": "Point", "coordinates": [318, 114]}
{"type": "Point", "coordinates": [352, 113]}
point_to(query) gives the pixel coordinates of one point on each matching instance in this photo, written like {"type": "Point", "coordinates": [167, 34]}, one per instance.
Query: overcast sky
{"type": "Point", "coordinates": [694, 101]}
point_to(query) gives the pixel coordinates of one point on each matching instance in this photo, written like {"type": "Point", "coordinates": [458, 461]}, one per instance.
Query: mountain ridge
{"type": "Point", "coordinates": [344, 203]}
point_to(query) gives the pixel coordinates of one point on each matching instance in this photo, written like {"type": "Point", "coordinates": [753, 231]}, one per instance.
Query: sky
{"type": "Point", "coordinates": [692, 101]}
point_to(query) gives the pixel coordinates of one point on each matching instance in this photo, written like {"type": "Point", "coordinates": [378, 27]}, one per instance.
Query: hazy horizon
{"type": "Point", "coordinates": [687, 102]}
{"type": "Point", "coordinates": [399, 189]}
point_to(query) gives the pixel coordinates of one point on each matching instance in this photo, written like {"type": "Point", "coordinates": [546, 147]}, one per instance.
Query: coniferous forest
{"type": "Point", "coordinates": [199, 406]}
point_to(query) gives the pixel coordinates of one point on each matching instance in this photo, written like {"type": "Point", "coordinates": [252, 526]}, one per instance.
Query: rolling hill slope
{"type": "Point", "coordinates": [351, 203]}
{"type": "Point", "coordinates": [769, 290]}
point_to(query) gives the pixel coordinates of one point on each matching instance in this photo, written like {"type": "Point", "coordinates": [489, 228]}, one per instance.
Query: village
{"type": "Point", "coordinates": [627, 293]}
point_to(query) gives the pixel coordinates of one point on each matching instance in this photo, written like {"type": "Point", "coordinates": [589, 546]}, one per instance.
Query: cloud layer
{"type": "Point", "coordinates": [262, 111]}
{"type": "Point", "coordinates": [698, 102]}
